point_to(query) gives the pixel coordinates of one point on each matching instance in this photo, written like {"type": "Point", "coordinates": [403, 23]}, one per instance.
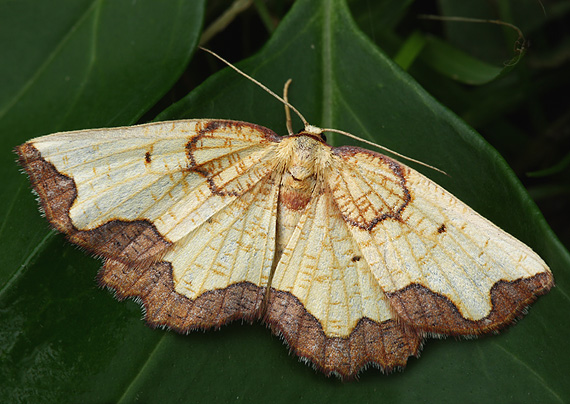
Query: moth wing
{"type": "Point", "coordinates": [128, 193]}
{"type": "Point", "coordinates": [326, 303]}
{"type": "Point", "coordinates": [216, 273]}
{"type": "Point", "coordinates": [444, 268]}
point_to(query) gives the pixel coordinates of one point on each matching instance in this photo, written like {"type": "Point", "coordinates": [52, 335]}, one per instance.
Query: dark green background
{"type": "Point", "coordinates": [77, 64]}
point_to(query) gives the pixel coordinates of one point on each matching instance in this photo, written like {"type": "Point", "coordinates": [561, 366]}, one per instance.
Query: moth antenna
{"type": "Point", "coordinates": [308, 127]}
{"type": "Point", "coordinates": [287, 110]}
{"type": "Point", "coordinates": [287, 104]}
{"type": "Point", "coordinates": [350, 135]}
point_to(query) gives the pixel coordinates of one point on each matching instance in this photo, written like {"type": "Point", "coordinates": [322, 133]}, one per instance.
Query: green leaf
{"type": "Point", "coordinates": [66, 341]}
{"type": "Point", "coordinates": [458, 65]}
{"type": "Point", "coordinates": [67, 65]}
{"type": "Point", "coordinates": [488, 42]}
{"type": "Point", "coordinates": [410, 50]}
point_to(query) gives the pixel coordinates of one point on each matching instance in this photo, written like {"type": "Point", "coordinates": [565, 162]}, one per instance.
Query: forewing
{"type": "Point", "coordinates": [147, 186]}
{"type": "Point", "coordinates": [327, 304]}
{"type": "Point", "coordinates": [443, 267]}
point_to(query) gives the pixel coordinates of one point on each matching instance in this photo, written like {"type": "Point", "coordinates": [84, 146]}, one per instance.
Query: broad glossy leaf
{"type": "Point", "coordinates": [67, 65]}
{"type": "Point", "coordinates": [341, 80]}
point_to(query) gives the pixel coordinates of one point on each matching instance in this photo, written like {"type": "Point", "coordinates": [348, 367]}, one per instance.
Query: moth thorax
{"type": "Point", "coordinates": [305, 158]}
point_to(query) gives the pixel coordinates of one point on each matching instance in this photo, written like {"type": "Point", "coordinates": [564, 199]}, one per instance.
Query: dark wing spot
{"type": "Point", "coordinates": [147, 158]}
{"type": "Point", "coordinates": [356, 258]}
{"type": "Point", "coordinates": [441, 228]}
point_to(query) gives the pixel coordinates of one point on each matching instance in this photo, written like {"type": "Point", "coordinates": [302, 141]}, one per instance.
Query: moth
{"type": "Point", "coordinates": [352, 257]}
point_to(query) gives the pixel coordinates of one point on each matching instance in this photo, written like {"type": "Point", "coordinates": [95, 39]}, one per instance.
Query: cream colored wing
{"type": "Point", "coordinates": [217, 273]}
{"type": "Point", "coordinates": [236, 245]}
{"type": "Point", "coordinates": [107, 188]}
{"type": "Point", "coordinates": [443, 267]}
{"type": "Point", "coordinates": [327, 304]}
{"type": "Point", "coordinates": [184, 212]}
